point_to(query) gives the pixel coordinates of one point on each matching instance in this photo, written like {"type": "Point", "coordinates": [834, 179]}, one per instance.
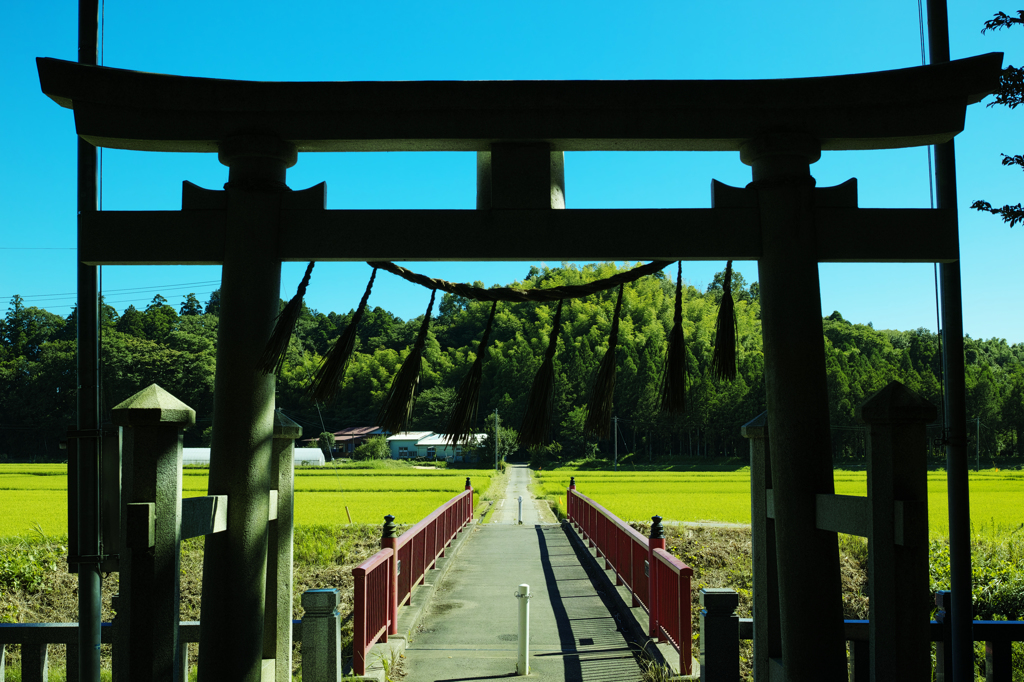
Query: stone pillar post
{"type": "Point", "coordinates": [321, 636]}
{"type": "Point", "coordinates": [235, 563]}
{"type": "Point", "coordinates": [719, 635]}
{"type": "Point", "coordinates": [898, 556]}
{"type": "Point", "coordinates": [277, 626]}
{"type": "Point", "coordinates": [811, 613]}
{"type": "Point", "coordinates": [150, 577]}
{"type": "Point", "coordinates": [767, 637]}
{"type": "Point", "coordinates": [656, 541]}
{"type": "Point", "coordinates": [520, 175]}
{"type": "Point", "coordinates": [943, 647]}
{"type": "Point", "coordinates": [389, 540]}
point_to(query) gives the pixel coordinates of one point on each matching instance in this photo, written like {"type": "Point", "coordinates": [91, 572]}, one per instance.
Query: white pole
{"type": "Point", "coordinates": [520, 510]}
{"type": "Point", "coordinates": [523, 664]}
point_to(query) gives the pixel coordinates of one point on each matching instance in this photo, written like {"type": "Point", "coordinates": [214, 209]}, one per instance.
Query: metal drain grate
{"type": "Point", "coordinates": [586, 641]}
{"type": "Point", "coordinates": [509, 638]}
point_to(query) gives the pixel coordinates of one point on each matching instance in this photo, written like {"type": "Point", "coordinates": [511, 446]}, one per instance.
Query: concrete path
{"type": "Point", "coordinates": [469, 630]}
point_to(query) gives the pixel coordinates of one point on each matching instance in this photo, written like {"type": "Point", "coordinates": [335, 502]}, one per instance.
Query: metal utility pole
{"type": "Point", "coordinates": [977, 444]}
{"type": "Point", "coordinates": [615, 435]}
{"type": "Point", "coordinates": [496, 438]}
{"type": "Point", "coordinates": [86, 549]}
{"type": "Point", "coordinates": [961, 614]}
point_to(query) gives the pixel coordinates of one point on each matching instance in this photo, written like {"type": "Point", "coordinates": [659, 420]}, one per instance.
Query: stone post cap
{"type": "Point", "coordinates": [285, 428]}
{"type": "Point", "coordinates": [719, 600]}
{"type": "Point", "coordinates": [896, 403]}
{"type": "Point", "coordinates": [153, 405]}
{"type": "Point", "coordinates": [756, 427]}
{"type": "Point", "coordinates": [321, 602]}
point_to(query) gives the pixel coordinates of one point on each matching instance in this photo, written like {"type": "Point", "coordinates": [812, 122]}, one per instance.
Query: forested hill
{"type": "Point", "coordinates": [175, 347]}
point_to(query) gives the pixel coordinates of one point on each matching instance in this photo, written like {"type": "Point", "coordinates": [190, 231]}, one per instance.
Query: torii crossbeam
{"type": "Point", "coordinates": [520, 130]}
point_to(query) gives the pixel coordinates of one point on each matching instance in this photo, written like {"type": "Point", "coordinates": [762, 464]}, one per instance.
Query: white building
{"type": "Point", "coordinates": [303, 456]}
{"type": "Point", "coordinates": [426, 445]}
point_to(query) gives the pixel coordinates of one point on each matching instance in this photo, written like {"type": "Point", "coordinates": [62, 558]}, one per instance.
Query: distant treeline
{"type": "Point", "coordinates": [176, 348]}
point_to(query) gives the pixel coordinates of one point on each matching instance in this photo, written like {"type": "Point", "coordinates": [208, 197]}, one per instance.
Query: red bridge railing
{"type": "Point", "coordinates": [384, 582]}
{"type": "Point", "coordinates": [657, 580]}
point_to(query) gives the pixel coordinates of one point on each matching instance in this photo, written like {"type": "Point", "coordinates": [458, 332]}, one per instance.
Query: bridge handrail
{"type": "Point", "coordinates": [390, 575]}
{"type": "Point", "coordinates": [371, 616]}
{"type": "Point", "coordinates": [657, 581]}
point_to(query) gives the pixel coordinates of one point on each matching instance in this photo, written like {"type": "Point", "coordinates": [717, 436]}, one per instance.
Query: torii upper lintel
{"type": "Point", "coordinates": [124, 109]}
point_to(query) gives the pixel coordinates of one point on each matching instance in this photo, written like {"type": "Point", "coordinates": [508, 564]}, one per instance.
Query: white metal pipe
{"type": "Point", "coordinates": [523, 595]}
{"type": "Point", "coordinates": [520, 510]}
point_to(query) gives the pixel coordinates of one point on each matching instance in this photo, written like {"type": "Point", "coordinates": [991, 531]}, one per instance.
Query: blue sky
{"type": "Point", "coordinates": [494, 41]}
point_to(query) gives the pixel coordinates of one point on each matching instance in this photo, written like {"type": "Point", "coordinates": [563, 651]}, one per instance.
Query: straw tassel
{"type": "Point", "coordinates": [332, 369]}
{"type": "Point", "coordinates": [272, 359]}
{"type": "Point", "coordinates": [537, 420]}
{"type": "Point", "coordinates": [723, 360]}
{"type": "Point", "coordinates": [673, 381]}
{"type": "Point", "coordinates": [397, 407]}
{"type": "Point", "coordinates": [463, 416]}
{"type": "Point", "coordinates": [599, 412]}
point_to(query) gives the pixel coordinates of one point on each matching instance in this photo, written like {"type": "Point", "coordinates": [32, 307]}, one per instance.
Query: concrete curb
{"type": "Point", "coordinates": [383, 654]}
{"type": "Point", "coordinates": [632, 621]}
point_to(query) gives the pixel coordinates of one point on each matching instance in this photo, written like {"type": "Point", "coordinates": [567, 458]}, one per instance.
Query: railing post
{"type": "Point", "coordinates": [656, 541]}
{"type": "Point", "coordinates": [150, 580]}
{"type": "Point", "coordinates": [321, 636]}
{"type": "Point", "coordinates": [35, 662]}
{"type": "Point", "coordinates": [277, 620]}
{"type": "Point", "coordinates": [998, 661]}
{"type": "Point", "coordinates": [767, 630]}
{"type": "Point", "coordinates": [570, 503]}
{"type": "Point", "coordinates": [389, 540]}
{"type": "Point", "coordinates": [898, 540]}
{"type": "Point", "coordinates": [719, 635]}
{"type": "Point", "coordinates": [860, 661]}
{"type": "Point", "coordinates": [943, 648]}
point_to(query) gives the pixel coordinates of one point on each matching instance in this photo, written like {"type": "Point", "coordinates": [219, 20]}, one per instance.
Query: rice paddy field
{"type": "Point", "coordinates": [996, 496]}
{"type": "Point", "coordinates": [35, 495]}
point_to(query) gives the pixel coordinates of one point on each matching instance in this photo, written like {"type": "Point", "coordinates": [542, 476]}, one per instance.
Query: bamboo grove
{"type": "Point", "coordinates": [176, 348]}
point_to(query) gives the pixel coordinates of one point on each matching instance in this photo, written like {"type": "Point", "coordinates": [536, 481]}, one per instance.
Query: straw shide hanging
{"type": "Point", "coordinates": [467, 402]}
{"type": "Point", "coordinates": [397, 407]}
{"type": "Point", "coordinates": [599, 412]}
{"type": "Point", "coordinates": [332, 370]}
{"type": "Point", "coordinates": [723, 360]}
{"type": "Point", "coordinates": [277, 345]}
{"type": "Point", "coordinates": [537, 420]}
{"type": "Point", "coordinates": [673, 380]}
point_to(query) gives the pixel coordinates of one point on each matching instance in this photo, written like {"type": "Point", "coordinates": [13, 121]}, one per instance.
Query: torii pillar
{"type": "Point", "coordinates": [797, 397]}
{"type": "Point", "coordinates": [235, 563]}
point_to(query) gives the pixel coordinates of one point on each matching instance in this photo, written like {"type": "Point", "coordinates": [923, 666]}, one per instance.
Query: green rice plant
{"type": "Point", "coordinates": [367, 507]}
{"type": "Point", "coordinates": [22, 510]}
{"type": "Point", "coordinates": [725, 496]}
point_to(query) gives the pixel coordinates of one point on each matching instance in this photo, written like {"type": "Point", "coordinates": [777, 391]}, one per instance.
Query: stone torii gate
{"type": "Point", "coordinates": [520, 131]}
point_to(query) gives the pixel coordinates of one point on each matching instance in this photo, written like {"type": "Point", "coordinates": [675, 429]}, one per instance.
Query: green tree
{"type": "Point", "coordinates": [375, 447]}
{"type": "Point", "coordinates": [213, 303]}
{"type": "Point", "coordinates": [25, 329]}
{"type": "Point", "coordinates": [159, 319]}
{"type": "Point", "coordinates": [1009, 94]}
{"type": "Point", "coordinates": [132, 322]}
{"type": "Point", "coordinates": [326, 442]}
{"type": "Point", "coordinates": [190, 306]}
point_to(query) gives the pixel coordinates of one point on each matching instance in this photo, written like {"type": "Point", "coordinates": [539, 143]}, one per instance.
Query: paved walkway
{"type": "Point", "coordinates": [469, 630]}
